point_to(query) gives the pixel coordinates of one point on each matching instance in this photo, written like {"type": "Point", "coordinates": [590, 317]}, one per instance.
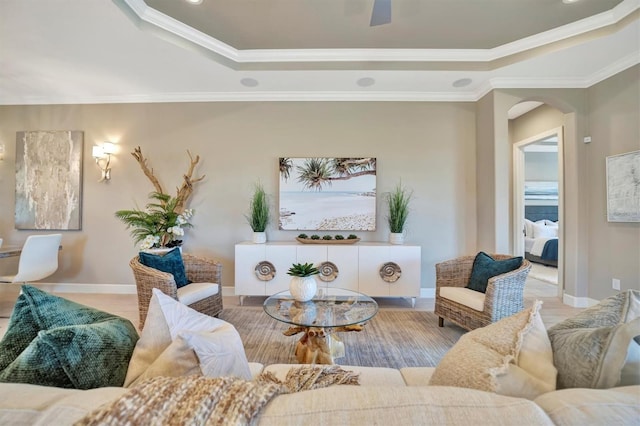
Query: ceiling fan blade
{"type": "Point", "coordinates": [381, 12]}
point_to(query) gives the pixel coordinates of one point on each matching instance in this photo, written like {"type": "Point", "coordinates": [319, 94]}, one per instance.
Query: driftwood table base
{"type": "Point", "coordinates": [319, 345]}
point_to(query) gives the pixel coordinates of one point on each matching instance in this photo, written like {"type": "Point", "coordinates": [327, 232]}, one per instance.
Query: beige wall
{"type": "Point", "coordinates": [535, 122]}
{"type": "Point", "coordinates": [594, 250]}
{"type": "Point", "coordinates": [485, 179]}
{"type": "Point", "coordinates": [614, 126]}
{"type": "Point", "coordinates": [572, 103]}
{"type": "Point", "coordinates": [451, 154]}
{"type": "Point", "coordinates": [540, 166]}
{"type": "Point", "coordinates": [430, 146]}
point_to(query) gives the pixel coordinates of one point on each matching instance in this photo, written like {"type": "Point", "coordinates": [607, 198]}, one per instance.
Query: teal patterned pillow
{"type": "Point", "coordinates": [52, 341]}
{"type": "Point", "coordinates": [485, 267]}
{"type": "Point", "coordinates": [171, 263]}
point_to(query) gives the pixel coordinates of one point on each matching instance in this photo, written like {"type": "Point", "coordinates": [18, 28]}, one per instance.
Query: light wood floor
{"type": "Point", "coordinates": [126, 305]}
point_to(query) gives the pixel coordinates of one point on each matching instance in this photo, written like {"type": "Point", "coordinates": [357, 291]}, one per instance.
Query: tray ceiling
{"type": "Point", "coordinates": [96, 51]}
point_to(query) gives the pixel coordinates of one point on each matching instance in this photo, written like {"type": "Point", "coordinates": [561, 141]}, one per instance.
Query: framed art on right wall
{"type": "Point", "coordinates": [623, 187]}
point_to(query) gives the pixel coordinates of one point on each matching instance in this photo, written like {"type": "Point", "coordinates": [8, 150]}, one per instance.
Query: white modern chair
{"type": "Point", "coordinates": [38, 259]}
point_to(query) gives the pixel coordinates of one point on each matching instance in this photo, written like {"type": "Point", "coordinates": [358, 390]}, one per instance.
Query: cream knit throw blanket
{"type": "Point", "coordinates": [198, 400]}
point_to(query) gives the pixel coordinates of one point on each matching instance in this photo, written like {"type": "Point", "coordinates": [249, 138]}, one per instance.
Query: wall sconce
{"type": "Point", "coordinates": [1, 151]}
{"type": "Point", "coordinates": [102, 153]}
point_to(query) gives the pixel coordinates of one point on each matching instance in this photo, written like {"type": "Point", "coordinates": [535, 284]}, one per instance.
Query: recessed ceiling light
{"type": "Point", "coordinates": [366, 82]}
{"type": "Point", "coordinates": [570, 1]}
{"type": "Point", "coordinates": [462, 82]}
{"type": "Point", "coordinates": [194, 1]}
{"type": "Point", "coordinates": [249, 82]}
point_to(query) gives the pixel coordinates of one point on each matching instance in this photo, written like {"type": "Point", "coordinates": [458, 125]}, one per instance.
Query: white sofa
{"type": "Point", "coordinates": [385, 396]}
{"type": "Point", "coordinates": [510, 357]}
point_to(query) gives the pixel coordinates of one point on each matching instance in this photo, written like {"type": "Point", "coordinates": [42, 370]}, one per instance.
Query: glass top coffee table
{"type": "Point", "coordinates": [331, 310]}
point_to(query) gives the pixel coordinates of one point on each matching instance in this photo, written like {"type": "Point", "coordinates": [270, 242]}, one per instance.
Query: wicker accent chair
{"type": "Point", "coordinates": [504, 295]}
{"type": "Point", "coordinates": [199, 271]}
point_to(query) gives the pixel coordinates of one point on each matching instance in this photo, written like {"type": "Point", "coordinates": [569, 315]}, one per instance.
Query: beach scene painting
{"type": "Point", "coordinates": [328, 194]}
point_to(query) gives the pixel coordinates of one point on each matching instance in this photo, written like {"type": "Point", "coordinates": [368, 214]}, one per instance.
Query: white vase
{"type": "Point", "coordinates": [303, 288]}
{"type": "Point", "coordinates": [259, 237]}
{"type": "Point", "coordinates": [396, 237]}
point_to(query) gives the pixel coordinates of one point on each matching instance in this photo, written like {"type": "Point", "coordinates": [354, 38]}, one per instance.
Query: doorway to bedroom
{"type": "Point", "coordinates": [538, 206]}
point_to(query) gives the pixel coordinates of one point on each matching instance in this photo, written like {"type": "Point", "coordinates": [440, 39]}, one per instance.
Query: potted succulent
{"type": "Point", "coordinates": [258, 216]}
{"type": "Point", "coordinates": [398, 203]}
{"type": "Point", "coordinates": [303, 283]}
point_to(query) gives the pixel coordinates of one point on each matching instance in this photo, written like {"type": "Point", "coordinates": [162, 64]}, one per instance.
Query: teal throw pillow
{"type": "Point", "coordinates": [485, 267]}
{"type": "Point", "coordinates": [52, 341]}
{"type": "Point", "coordinates": [171, 263]}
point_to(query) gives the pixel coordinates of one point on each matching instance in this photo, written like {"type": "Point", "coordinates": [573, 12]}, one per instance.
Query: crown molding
{"type": "Point", "coordinates": [613, 69]}
{"type": "Point", "coordinates": [179, 29]}
{"type": "Point", "coordinates": [173, 26]}
{"type": "Point", "coordinates": [298, 96]}
{"type": "Point", "coordinates": [334, 96]}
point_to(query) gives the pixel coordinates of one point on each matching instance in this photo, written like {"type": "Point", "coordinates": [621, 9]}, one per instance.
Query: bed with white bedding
{"type": "Point", "coordinates": [541, 239]}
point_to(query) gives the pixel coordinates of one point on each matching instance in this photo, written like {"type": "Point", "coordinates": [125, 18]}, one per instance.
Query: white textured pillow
{"type": "Point", "coordinates": [175, 361]}
{"type": "Point", "coordinates": [511, 357]}
{"type": "Point", "coordinates": [180, 317]}
{"type": "Point", "coordinates": [543, 231]}
{"type": "Point", "coordinates": [220, 353]}
{"type": "Point", "coordinates": [528, 228]}
{"type": "Point", "coordinates": [598, 347]}
{"type": "Point", "coordinates": [154, 339]}
{"type": "Point", "coordinates": [164, 348]}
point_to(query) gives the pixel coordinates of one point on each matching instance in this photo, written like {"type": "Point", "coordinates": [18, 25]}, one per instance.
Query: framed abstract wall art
{"type": "Point", "coordinates": [623, 187]}
{"type": "Point", "coordinates": [49, 179]}
{"type": "Point", "coordinates": [327, 194]}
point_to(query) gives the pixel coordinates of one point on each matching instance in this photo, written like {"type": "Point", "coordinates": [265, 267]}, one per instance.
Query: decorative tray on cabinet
{"type": "Point", "coordinates": [331, 241]}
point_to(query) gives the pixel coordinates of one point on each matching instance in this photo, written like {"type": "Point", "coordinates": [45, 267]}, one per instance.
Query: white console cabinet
{"type": "Point", "coordinates": [375, 269]}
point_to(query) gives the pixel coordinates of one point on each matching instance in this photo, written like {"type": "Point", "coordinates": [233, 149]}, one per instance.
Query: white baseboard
{"type": "Point", "coordinates": [227, 291]}
{"type": "Point", "coordinates": [82, 288]}
{"type": "Point", "coordinates": [98, 288]}
{"type": "Point", "coordinates": [578, 302]}
{"type": "Point", "coordinates": [425, 293]}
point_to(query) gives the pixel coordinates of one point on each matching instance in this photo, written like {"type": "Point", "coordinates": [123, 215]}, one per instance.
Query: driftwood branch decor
{"type": "Point", "coordinates": [320, 345]}
{"type": "Point", "coordinates": [184, 191]}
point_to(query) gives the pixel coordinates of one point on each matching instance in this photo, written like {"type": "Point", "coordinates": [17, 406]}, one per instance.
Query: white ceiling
{"type": "Point", "coordinates": [101, 51]}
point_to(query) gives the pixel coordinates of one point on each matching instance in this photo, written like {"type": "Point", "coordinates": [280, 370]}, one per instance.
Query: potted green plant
{"type": "Point", "coordinates": [303, 285]}
{"type": "Point", "coordinates": [258, 216]}
{"type": "Point", "coordinates": [158, 226]}
{"type": "Point", "coordinates": [398, 204]}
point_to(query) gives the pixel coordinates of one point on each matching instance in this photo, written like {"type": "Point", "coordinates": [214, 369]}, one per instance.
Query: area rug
{"type": "Point", "coordinates": [393, 338]}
